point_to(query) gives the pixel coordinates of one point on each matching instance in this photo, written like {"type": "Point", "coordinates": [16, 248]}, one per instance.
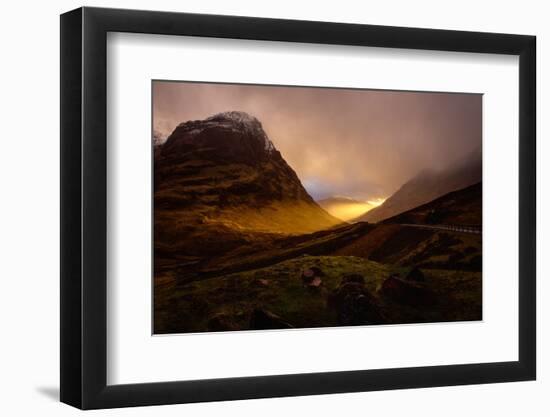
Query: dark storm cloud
{"type": "Point", "coordinates": [358, 143]}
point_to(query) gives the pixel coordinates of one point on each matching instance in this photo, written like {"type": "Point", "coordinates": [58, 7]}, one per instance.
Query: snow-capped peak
{"type": "Point", "coordinates": [236, 116]}
{"type": "Point", "coordinates": [245, 122]}
{"type": "Point", "coordinates": [236, 121]}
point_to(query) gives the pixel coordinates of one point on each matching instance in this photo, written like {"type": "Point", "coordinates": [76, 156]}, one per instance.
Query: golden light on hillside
{"type": "Point", "coordinates": [376, 202]}
{"type": "Point", "coordinates": [350, 210]}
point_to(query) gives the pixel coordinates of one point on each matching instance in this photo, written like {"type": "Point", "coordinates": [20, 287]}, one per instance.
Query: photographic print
{"type": "Point", "coordinates": [285, 207]}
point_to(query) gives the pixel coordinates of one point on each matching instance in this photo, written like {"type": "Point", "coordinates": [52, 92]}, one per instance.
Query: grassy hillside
{"type": "Point", "coordinates": [227, 303]}
{"type": "Point", "coordinates": [424, 248]}
{"type": "Point", "coordinates": [239, 274]}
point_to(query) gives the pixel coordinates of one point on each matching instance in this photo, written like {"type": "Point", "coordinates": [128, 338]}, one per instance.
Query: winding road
{"type": "Point", "coordinates": [476, 230]}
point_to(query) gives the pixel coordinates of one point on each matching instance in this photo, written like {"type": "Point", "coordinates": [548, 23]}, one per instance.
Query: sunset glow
{"type": "Point", "coordinates": [348, 209]}
{"type": "Point", "coordinates": [376, 202]}
{"type": "Point", "coordinates": [355, 143]}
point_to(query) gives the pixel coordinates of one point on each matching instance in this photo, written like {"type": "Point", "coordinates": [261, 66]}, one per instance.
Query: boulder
{"type": "Point", "coordinates": [265, 320]}
{"type": "Point", "coordinates": [223, 323]}
{"type": "Point", "coordinates": [354, 304]}
{"type": "Point", "coordinates": [357, 278]}
{"type": "Point", "coordinates": [317, 271]}
{"type": "Point", "coordinates": [415, 274]}
{"type": "Point", "coordinates": [262, 282]}
{"type": "Point", "coordinates": [407, 292]}
{"type": "Point", "coordinates": [311, 277]}
{"type": "Point", "coordinates": [316, 282]}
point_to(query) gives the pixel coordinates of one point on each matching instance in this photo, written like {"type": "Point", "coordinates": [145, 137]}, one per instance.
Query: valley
{"type": "Point", "coordinates": [239, 244]}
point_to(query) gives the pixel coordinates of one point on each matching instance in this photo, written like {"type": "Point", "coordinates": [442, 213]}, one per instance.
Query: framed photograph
{"type": "Point", "coordinates": [257, 208]}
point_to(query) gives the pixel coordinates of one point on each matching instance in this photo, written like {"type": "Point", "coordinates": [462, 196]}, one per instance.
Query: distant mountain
{"type": "Point", "coordinates": [345, 208]}
{"type": "Point", "coordinates": [338, 200]}
{"type": "Point", "coordinates": [461, 207]}
{"type": "Point", "coordinates": [427, 186]}
{"type": "Point", "coordinates": [223, 176]}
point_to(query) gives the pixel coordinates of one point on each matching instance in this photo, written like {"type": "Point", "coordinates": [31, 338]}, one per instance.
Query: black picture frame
{"type": "Point", "coordinates": [84, 207]}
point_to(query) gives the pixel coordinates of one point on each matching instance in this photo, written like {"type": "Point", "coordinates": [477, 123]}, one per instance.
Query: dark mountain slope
{"type": "Point", "coordinates": [462, 207]}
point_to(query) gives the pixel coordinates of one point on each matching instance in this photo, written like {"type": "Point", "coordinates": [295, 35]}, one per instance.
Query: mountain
{"type": "Point", "coordinates": [461, 207]}
{"type": "Point", "coordinates": [158, 139]}
{"type": "Point", "coordinates": [221, 182]}
{"type": "Point", "coordinates": [344, 208]}
{"type": "Point", "coordinates": [427, 186]}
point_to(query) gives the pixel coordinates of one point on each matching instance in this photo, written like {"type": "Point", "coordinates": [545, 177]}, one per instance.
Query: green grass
{"type": "Point", "coordinates": [191, 307]}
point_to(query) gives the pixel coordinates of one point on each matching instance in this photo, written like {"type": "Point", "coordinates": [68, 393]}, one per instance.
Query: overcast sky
{"type": "Point", "coordinates": [362, 144]}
